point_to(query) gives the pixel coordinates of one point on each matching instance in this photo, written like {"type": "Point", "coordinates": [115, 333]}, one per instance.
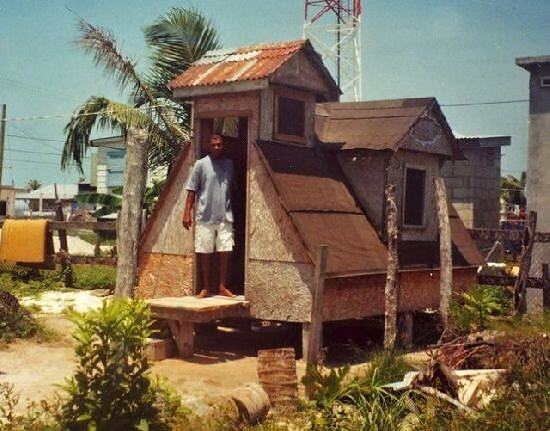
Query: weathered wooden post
{"type": "Point", "coordinates": [65, 259]}
{"type": "Point", "coordinates": [445, 250]}
{"type": "Point", "coordinates": [520, 303]}
{"type": "Point", "coordinates": [545, 287]}
{"type": "Point", "coordinates": [313, 337]}
{"type": "Point", "coordinates": [129, 218]}
{"type": "Point", "coordinates": [391, 290]}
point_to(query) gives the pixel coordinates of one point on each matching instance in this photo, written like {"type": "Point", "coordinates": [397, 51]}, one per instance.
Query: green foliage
{"type": "Point", "coordinates": [94, 276]}
{"type": "Point", "coordinates": [112, 389]}
{"type": "Point", "coordinates": [472, 309]}
{"type": "Point", "coordinates": [21, 281]}
{"type": "Point", "coordinates": [521, 402]}
{"type": "Point", "coordinates": [389, 367]}
{"type": "Point", "coordinates": [345, 402]}
{"type": "Point", "coordinates": [18, 324]}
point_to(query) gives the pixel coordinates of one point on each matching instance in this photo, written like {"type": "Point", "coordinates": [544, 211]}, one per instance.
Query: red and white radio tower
{"type": "Point", "coordinates": [338, 39]}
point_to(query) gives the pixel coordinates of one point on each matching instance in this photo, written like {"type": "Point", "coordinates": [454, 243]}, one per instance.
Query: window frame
{"type": "Point", "coordinates": [544, 78]}
{"type": "Point", "coordinates": [289, 94]}
{"type": "Point", "coordinates": [417, 168]}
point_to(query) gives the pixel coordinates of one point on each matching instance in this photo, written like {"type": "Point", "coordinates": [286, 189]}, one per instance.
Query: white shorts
{"type": "Point", "coordinates": [211, 237]}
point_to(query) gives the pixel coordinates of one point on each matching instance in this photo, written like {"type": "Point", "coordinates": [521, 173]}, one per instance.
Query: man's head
{"type": "Point", "coordinates": [216, 146]}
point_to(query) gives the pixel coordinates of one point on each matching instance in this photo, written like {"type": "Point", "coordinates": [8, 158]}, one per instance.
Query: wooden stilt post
{"type": "Point", "coordinates": [315, 328]}
{"type": "Point", "coordinates": [406, 326]}
{"type": "Point", "coordinates": [129, 217]}
{"type": "Point", "coordinates": [445, 250]}
{"type": "Point", "coordinates": [66, 265]}
{"type": "Point", "coordinates": [545, 287]}
{"type": "Point", "coordinates": [391, 290]}
{"type": "Point", "coordinates": [520, 303]}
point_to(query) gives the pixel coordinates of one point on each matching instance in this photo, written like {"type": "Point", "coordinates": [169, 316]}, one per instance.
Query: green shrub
{"type": "Point", "coordinates": [472, 309]}
{"type": "Point", "coordinates": [388, 366]}
{"type": "Point", "coordinates": [17, 324]}
{"type": "Point", "coordinates": [94, 276]}
{"type": "Point", "coordinates": [112, 389]}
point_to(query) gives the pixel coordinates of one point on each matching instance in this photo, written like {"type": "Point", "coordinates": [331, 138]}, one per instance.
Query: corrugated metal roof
{"type": "Point", "coordinates": [374, 125]}
{"type": "Point", "coordinates": [241, 64]}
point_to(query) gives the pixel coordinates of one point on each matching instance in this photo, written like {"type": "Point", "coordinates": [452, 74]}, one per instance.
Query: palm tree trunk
{"type": "Point", "coordinates": [129, 218]}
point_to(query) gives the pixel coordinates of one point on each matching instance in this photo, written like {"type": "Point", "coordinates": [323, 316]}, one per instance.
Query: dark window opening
{"type": "Point", "coordinates": [545, 81]}
{"type": "Point", "coordinates": [291, 116]}
{"type": "Point", "coordinates": [3, 208]}
{"type": "Point", "coordinates": [415, 183]}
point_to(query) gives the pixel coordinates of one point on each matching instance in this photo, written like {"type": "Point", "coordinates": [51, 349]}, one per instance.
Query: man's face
{"type": "Point", "coordinates": [216, 146]}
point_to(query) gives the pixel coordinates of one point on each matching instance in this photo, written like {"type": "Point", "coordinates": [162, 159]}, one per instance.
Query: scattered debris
{"type": "Point", "coordinates": [56, 302]}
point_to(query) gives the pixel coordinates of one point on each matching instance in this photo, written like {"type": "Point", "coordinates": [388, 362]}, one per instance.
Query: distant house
{"type": "Point", "coordinates": [473, 180]}
{"type": "Point", "coordinates": [7, 200]}
{"type": "Point", "coordinates": [107, 164]}
{"type": "Point", "coordinates": [40, 202]}
{"type": "Point", "coordinates": [107, 169]}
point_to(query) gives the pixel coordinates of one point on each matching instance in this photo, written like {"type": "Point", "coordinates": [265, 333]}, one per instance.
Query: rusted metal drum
{"type": "Point", "coordinates": [252, 402]}
{"type": "Point", "coordinates": [277, 375]}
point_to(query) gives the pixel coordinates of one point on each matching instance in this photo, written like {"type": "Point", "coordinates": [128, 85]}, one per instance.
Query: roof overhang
{"type": "Point", "coordinates": [530, 63]}
{"type": "Point", "coordinates": [208, 90]}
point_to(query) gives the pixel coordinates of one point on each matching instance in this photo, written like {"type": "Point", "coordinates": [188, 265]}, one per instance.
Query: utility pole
{"type": "Point", "coordinates": [3, 125]}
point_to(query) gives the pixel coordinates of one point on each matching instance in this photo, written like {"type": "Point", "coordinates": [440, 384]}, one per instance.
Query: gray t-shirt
{"type": "Point", "coordinates": [211, 179]}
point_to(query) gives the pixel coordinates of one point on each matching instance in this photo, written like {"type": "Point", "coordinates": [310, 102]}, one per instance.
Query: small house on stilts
{"type": "Point", "coordinates": [310, 171]}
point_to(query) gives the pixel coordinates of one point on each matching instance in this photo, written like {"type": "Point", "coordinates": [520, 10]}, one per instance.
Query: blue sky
{"type": "Point", "coordinates": [460, 51]}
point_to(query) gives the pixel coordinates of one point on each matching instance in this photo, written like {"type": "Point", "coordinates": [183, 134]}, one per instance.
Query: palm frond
{"type": "Point", "coordinates": [100, 43]}
{"type": "Point", "coordinates": [106, 114]}
{"type": "Point", "coordinates": [177, 39]}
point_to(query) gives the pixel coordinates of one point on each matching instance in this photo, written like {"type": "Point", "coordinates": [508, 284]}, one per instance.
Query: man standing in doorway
{"type": "Point", "coordinates": [210, 184]}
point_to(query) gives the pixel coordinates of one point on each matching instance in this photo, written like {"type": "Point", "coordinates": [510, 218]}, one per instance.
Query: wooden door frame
{"type": "Point", "coordinates": [197, 120]}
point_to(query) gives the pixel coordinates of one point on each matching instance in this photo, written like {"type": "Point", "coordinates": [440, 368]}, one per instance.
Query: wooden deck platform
{"type": "Point", "coordinates": [183, 312]}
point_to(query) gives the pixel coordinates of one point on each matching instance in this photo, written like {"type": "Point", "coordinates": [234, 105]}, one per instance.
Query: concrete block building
{"type": "Point", "coordinates": [473, 180]}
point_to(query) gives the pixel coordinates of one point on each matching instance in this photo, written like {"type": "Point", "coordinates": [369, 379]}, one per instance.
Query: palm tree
{"type": "Point", "coordinates": [34, 184]}
{"type": "Point", "coordinates": [155, 125]}
{"type": "Point", "coordinates": [176, 40]}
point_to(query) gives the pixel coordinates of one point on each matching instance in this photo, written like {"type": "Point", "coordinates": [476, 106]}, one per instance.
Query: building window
{"type": "Point", "coordinates": [545, 81]}
{"type": "Point", "coordinates": [290, 122]}
{"type": "Point", "coordinates": [415, 189]}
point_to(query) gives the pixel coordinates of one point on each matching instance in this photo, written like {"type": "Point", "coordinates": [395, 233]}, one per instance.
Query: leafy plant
{"type": "Point", "coordinates": [472, 309]}
{"type": "Point", "coordinates": [327, 387]}
{"type": "Point", "coordinates": [112, 388]}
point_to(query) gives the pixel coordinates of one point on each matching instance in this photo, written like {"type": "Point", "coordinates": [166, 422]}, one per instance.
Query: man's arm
{"type": "Point", "coordinates": [188, 211]}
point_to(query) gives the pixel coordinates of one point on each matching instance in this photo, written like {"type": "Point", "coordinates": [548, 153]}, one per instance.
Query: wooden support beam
{"type": "Point", "coordinates": [129, 218]}
{"type": "Point", "coordinates": [391, 289]}
{"type": "Point", "coordinates": [520, 303]}
{"type": "Point", "coordinates": [545, 287]}
{"type": "Point", "coordinates": [315, 342]}
{"type": "Point", "coordinates": [183, 333]}
{"type": "Point", "coordinates": [406, 326]}
{"type": "Point", "coordinates": [445, 250]}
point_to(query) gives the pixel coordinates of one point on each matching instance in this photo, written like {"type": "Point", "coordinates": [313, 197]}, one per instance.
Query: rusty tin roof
{"type": "Point", "coordinates": [241, 64]}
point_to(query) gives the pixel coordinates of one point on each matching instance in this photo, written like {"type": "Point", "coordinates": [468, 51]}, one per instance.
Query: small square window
{"type": "Point", "coordinates": [545, 81]}
{"type": "Point", "coordinates": [415, 187]}
{"type": "Point", "coordinates": [291, 116]}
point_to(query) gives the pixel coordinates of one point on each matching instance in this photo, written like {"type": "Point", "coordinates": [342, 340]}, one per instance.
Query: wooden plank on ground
{"type": "Point", "coordinates": [199, 310]}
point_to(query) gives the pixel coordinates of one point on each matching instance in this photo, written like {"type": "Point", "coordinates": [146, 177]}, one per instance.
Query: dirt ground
{"type": "Point", "coordinates": [36, 369]}
{"type": "Point", "coordinates": [224, 360]}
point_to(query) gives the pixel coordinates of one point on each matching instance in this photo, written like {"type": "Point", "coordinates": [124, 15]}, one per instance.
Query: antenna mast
{"type": "Point", "coordinates": [338, 40]}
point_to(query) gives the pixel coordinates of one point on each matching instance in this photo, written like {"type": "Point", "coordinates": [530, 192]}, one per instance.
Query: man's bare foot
{"type": "Point", "coordinates": [224, 291]}
{"type": "Point", "coordinates": [203, 294]}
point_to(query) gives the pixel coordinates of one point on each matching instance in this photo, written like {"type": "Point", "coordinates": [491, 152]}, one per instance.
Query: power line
{"type": "Point", "coordinates": [33, 152]}
{"type": "Point", "coordinates": [34, 138]}
{"type": "Point", "coordinates": [496, 102]}
{"type": "Point", "coordinates": [87, 114]}
{"type": "Point", "coordinates": [38, 162]}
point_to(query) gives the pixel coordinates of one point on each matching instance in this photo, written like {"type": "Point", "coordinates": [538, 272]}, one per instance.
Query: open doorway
{"type": "Point", "coordinates": [234, 131]}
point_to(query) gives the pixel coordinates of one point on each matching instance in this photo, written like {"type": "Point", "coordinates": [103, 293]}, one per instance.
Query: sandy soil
{"type": "Point", "coordinates": [224, 360]}
{"type": "Point", "coordinates": [36, 368]}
